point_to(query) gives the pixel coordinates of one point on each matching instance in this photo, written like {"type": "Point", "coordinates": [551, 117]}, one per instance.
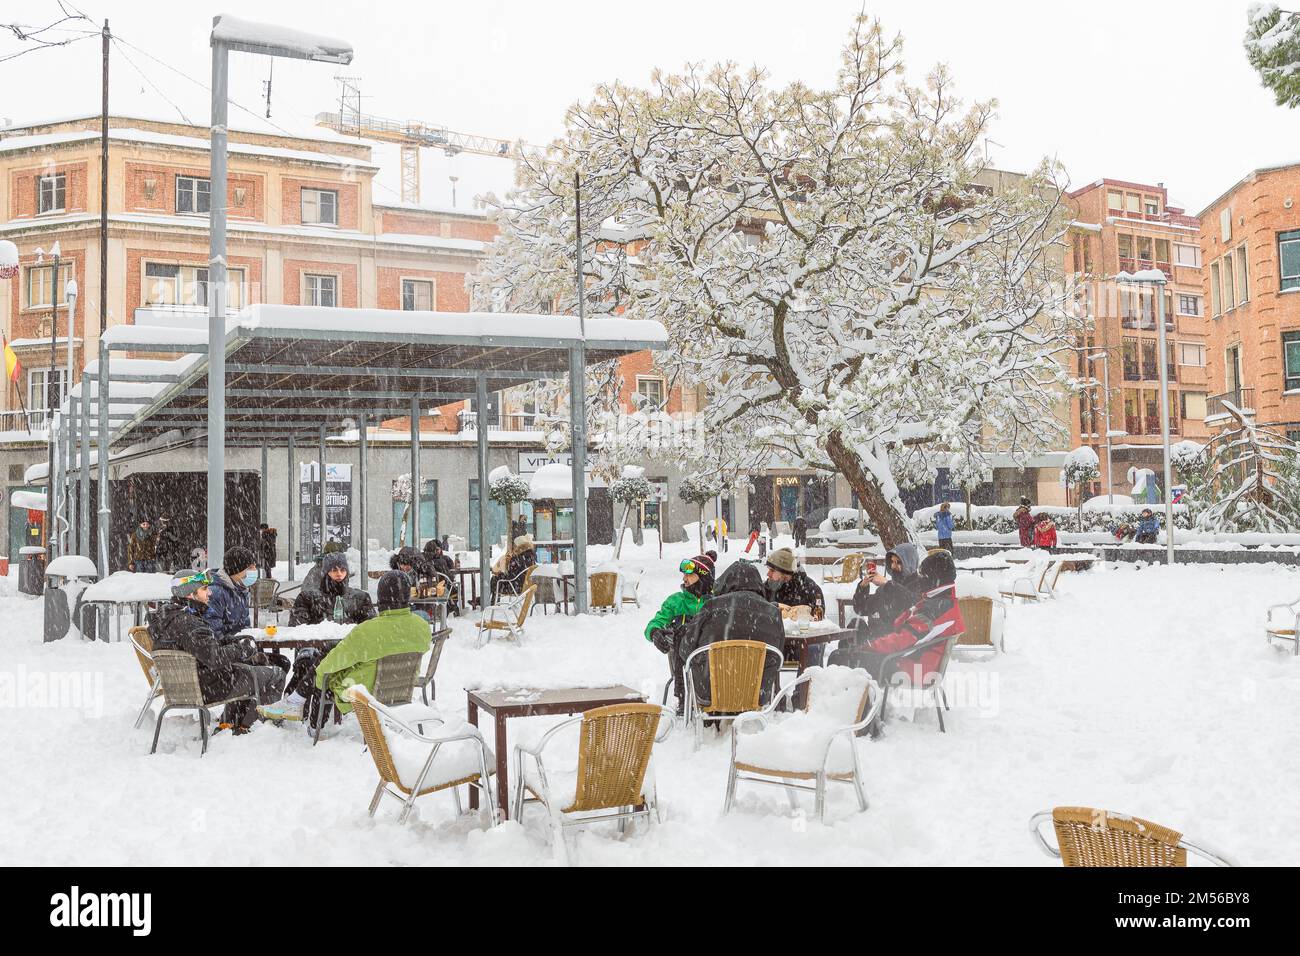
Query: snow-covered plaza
{"type": "Point", "coordinates": [1144, 690]}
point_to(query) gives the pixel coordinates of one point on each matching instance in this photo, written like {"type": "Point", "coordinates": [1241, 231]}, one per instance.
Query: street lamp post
{"type": "Point", "coordinates": [1104, 358]}
{"type": "Point", "coordinates": [242, 36]}
{"type": "Point", "coordinates": [1155, 280]}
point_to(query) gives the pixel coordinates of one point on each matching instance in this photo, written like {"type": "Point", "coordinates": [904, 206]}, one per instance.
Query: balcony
{"type": "Point", "coordinates": [1243, 398]}
{"type": "Point", "coordinates": [1131, 373]}
{"type": "Point", "coordinates": [1143, 265]}
{"type": "Point", "coordinates": [18, 421]}
{"type": "Point", "coordinates": [509, 423]}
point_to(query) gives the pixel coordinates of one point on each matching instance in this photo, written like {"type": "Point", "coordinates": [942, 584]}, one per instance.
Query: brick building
{"type": "Point", "coordinates": [1130, 227]}
{"type": "Point", "coordinates": [1250, 242]}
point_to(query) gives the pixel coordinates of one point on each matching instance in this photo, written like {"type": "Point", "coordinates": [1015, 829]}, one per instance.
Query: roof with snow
{"type": "Point", "coordinates": [291, 369]}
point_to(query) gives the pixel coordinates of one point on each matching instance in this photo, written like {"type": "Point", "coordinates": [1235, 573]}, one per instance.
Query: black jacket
{"type": "Point", "coordinates": [877, 609]}
{"type": "Point", "coordinates": [800, 589]}
{"type": "Point", "coordinates": [267, 549]}
{"type": "Point", "coordinates": [738, 611]}
{"type": "Point", "coordinates": [512, 581]}
{"type": "Point", "coordinates": [314, 606]}
{"type": "Point", "coordinates": [175, 627]}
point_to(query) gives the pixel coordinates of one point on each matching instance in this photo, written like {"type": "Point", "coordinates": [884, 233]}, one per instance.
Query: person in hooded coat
{"type": "Point", "coordinates": [227, 610]}
{"type": "Point", "coordinates": [800, 529]}
{"type": "Point", "coordinates": [668, 626]}
{"type": "Point", "coordinates": [511, 579]}
{"type": "Point", "coordinates": [224, 669]}
{"type": "Point", "coordinates": [266, 549]}
{"type": "Point", "coordinates": [168, 549]}
{"type": "Point", "coordinates": [936, 604]}
{"type": "Point", "coordinates": [142, 549]}
{"type": "Point", "coordinates": [1024, 523]}
{"type": "Point", "coordinates": [410, 562]}
{"type": "Point", "coordinates": [738, 611]}
{"type": "Point", "coordinates": [1148, 528]}
{"type": "Point", "coordinates": [333, 600]}
{"type": "Point", "coordinates": [877, 609]}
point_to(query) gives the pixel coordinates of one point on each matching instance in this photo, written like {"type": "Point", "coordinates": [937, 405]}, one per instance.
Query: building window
{"type": "Point", "coordinates": [40, 285]}
{"type": "Point", "coordinates": [1185, 255]}
{"type": "Point", "coordinates": [1132, 412]}
{"type": "Point", "coordinates": [1191, 353]}
{"type": "Point", "coordinates": [1125, 245]}
{"type": "Point", "coordinates": [169, 283]}
{"type": "Point", "coordinates": [1144, 248]}
{"type": "Point", "coordinates": [38, 381]}
{"type": "Point", "coordinates": [1162, 250]}
{"type": "Point", "coordinates": [1229, 285]}
{"type": "Point", "coordinates": [1291, 356]}
{"type": "Point", "coordinates": [1243, 287]}
{"type": "Point", "coordinates": [417, 295]}
{"type": "Point", "coordinates": [51, 193]}
{"type": "Point", "coordinates": [320, 207]}
{"type": "Point", "coordinates": [1189, 304]}
{"type": "Point", "coordinates": [1215, 298]}
{"type": "Point", "coordinates": [1114, 201]}
{"type": "Point", "coordinates": [320, 290]}
{"type": "Point", "coordinates": [193, 195]}
{"type": "Point", "coordinates": [1288, 250]}
{"type": "Point", "coordinates": [402, 524]}
{"type": "Point", "coordinates": [1132, 203]}
{"type": "Point", "coordinates": [1149, 370]}
{"type": "Point", "coordinates": [1193, 406]}
{"type": "Point", "coordinates": [1152, 206]}
{"type": "Point", "coordinates": [1130, 352]}
{"type": "Point", "coordinates": [650, 392]}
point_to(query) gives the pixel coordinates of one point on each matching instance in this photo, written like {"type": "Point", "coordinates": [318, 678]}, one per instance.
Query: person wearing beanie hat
{"type": "Point", "coordinates": [332, 599]}
{"type": "Point", "coordinates": [667, 625]}
{"type": "Point", "coordinates": [225, 669]}
{"type": "Point", "coordinates": [227, 611]}
{"type": "Point", "coordinates": [1024, 523]}
{"type": "Point", "coordinates": [395, 630]}
{"type": "Point", "coordinates": [142, 549]}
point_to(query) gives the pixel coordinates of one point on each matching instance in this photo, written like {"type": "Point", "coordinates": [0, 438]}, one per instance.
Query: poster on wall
{"type": "Point", "coordinates": [338, 506]}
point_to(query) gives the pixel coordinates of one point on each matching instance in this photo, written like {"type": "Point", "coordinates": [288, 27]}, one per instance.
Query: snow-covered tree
{"type": "Point", "coordinates": [1250, 480]}
{"type": "Point", "coordinates": [968, 469]}
{"type": "Point", "coordinates": [630, 489]}
{"type": "Point", "coordinates": [699, 490]}
{"type": "Point", "coordinates": [1081, 467]}
{"type": "Point", "coordinates": [823, 259]}
{"type": "Point", "coordinates": [1273, 49]}
{"type": "Point", "coordinates": [508, 489]}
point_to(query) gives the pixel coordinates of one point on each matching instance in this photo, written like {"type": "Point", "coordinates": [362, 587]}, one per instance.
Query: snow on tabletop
{"type": "Point", "coordinates": [324, 631]}
{"type": "Point", "coordinates": [31, 500]}
{"type": "Point", "coordinates": [126, 586]}
{"type": "Point", "coordinates": [72, 565]}
{"type": "Point", "coordinates": [234, 30]}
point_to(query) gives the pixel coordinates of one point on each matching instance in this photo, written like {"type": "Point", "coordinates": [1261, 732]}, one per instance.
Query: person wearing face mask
{"type": "Point", "coordinates": [333, 600]}
{"type": "Point", "coordinates": [227, 610]}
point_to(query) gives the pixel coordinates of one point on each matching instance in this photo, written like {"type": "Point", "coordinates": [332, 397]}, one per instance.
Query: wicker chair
{"type": "Point", "coordinates": [977, 614]}
{"type": "Point", "coordinates": [735, 681]}
{"type": "Point", "coordinates": [932, 682]}
{"type": "Point", "coordinates": [1286, 629]}
{"type": "Point", "coordinates": [508, 617]}
{"type": "Point", "coordinates": [178, 673]}
{"type": "Point", "coordinates": [395, 678]}
{"type": "Point", "coordinates": [1088, 837]}
{"type": "Point", "coordinates": [817, 745]}
{"type": "Point", "coordinates": [850, 570]}
{"type": "Point", "coordinates": [612, 779]}
{"type": "Point", "coordinates": [412, 763]}
{"type": "Point", "coordinates": [143, 645]}
{"type": "Point", "coordinates": [604, 591]}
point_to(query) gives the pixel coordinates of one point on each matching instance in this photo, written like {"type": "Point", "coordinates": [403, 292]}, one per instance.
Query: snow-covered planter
{"type": "Point", "coordinates": [509, 489]}
{"type": "Point", "coordinates": [629, 490]}
{"type": "Point", "coordinates": [1096, 518]}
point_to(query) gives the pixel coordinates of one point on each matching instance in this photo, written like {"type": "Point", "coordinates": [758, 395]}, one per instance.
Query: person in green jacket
{"type": "Point", "coordinates": [396, 630]}
{"type": "Point", "coordinates": [678, 608]}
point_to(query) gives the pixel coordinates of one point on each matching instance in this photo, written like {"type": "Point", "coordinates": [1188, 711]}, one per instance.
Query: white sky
{"type": "Point", "coordinates": [1164, 96]}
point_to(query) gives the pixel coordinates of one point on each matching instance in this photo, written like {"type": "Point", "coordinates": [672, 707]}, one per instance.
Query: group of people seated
{"type": "Point", "coordinates": [894, 613]}
{"type": "Point", "coordinates": [209, 617]}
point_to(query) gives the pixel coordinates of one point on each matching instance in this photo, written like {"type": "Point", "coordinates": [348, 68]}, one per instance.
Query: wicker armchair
{"type": "Point", "coordinates": [735, 681]}
{"type": "Point", "coordinates": [178, 674]}
{"type": "Point", "coordinates": [1286, 628]}
{"type": "Point", "coordinates": [508, 617]}
{"type": "Point", "coordinates": [817, 745]}
{"type": "Point", "coordinates": [604, 591]}
{"type": "Point", "coordinates": [262, 598]}
{"type": "Point", "coordinates": [395, 678]}
{"type": "Point", "coordinates": [412, 763]}
{"type": "Point", "coordinates": [612, 777]}
{"type": "Point", "coordinates": [977, 614]}
{"type": "Point", "coordinates": [143, 645]}
{"type": "Point", "coordinates": [849, 570]}
{"type": "Point", "coordinates": [1088, 837]}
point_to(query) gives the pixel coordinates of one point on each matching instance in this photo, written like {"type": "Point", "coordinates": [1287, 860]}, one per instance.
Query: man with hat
{"type": "Point", "coordinates": [789, 586]}
{"type": "Point", "coordinates": [332, 600]}
{"type": "Point", "coordinates": [225, 670]}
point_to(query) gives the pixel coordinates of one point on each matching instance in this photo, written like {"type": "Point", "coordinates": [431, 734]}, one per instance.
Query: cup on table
{"type": "Point", "coordinates": [803, 617]}
{"type": "Point", "coordinates": [271, 630]}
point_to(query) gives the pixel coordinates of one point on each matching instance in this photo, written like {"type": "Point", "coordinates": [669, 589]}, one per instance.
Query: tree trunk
{"type": "Point", "coordinates": [970, 522]}
{"type": "Point", "coordinates": [618, 542]}
{"type": "Point", "coordinates": [889, 523]}
{"type": "Point", "coordinates": [701, 527]}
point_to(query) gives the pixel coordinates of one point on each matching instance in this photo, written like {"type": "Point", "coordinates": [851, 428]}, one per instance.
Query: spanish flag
{"type": "Point", "coordinates": [13, 368]}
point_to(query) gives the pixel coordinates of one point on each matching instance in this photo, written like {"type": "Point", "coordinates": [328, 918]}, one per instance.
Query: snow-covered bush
{"type": "Point", "coordinates": [630, 490]}
{"type": "Point", "coordinates": [999, 519]}
{"type": "Point", "coordinates": [1246, 479]}
{"type": "Point", "coordinates": [508, 489]}
{"type": "Point", "coordinates": [1273, 49]}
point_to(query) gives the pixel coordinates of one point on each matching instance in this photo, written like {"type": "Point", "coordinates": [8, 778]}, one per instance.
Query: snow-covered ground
{"type": "Point", "coordinates": [1148, 691]}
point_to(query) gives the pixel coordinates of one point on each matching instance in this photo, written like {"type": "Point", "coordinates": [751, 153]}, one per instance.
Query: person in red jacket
{"type": "Point", "coordinates": [1045, 532]}
{"type": "Point", "coordinates": [936, 605]}
{"type": "Point", "coordinates": [1024, 523]}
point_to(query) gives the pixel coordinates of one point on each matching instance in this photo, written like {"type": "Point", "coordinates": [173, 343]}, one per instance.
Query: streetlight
{"type": "Point", "coordinates": [1104, 358]}
{"type": "Point", "coordinates": [52, 391]}
{"type": "Point", "coordinates": [243, 36]}
{"type": "Point", "coordinates": [1155, 280]}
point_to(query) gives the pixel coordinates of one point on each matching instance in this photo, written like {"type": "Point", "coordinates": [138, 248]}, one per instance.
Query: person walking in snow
{"type": "Point", "coordinates": [142, 549]}
{"type": "Point", "coordinates": [226, 669]}
{"type": "Point", "coordinates": [167, 549]}
{"type": "Point", "coordinates": [738, 611]}
{"type": "Point", "coordinates": [1148, 527]}
{"type": "Point", "coordinates": [266, 549]}
{"type": "Point", "coordinates": [944, 524]}
{"type": "Point", "coordinates": [800, 531]}
{"type": "Point", "coordinates": [1024, 523]}
{"type": "Point", "coordinates": [666, 627]}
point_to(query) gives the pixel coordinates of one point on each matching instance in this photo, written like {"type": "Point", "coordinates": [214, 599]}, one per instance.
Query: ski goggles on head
{"type": "Point", "coordinates": [690, 567]}
{"type": "Point", "coordinates": [198, 579]}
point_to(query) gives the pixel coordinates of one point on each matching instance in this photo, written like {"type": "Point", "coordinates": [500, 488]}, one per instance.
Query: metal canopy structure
{"type": "Point", "coordinates": [294, 374]}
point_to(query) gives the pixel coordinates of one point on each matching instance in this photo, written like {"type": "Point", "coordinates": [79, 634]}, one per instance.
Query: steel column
{"type": "Point", "coordinates": [415, 471]}
{"type": "Point", "coordinates": [363, 426]}
{"type": "Point", "coordinates": [216, 309]}
{"type": "Point", "coordinates": [293, 490]}
{"type": "Point", "coordinates": [101, 402]}
{"type": "Point", "coordinates": [484, 542]}
{"type": "Point", "coordinates": [320, 490]}
{"type": "Point", "coordinates": [578, 417]}
{"type": "Point", "coordinates": [83, 474]}
{"type": "Point", "coordinates": [1159, 290]}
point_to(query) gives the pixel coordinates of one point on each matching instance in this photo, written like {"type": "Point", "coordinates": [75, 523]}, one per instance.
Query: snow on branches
{"type": "Point", "coordinates": [1247, 478]}
{"type": "Point", "coordinates": [508, 489]}
{"type": "Point", "coordinates": [1273, 49]}
{"type": "Point", "coordinates": [824, 260]}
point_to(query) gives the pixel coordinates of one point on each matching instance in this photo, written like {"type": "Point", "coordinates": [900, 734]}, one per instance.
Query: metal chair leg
{"type": "Point", "coordinates": [455, 796]}
{"type": "Point", "coordinates": [821, 796]}
{"type": "Point", "coordinates": [158, 728]}
{"type": "Point", "coordinates": [153, 693]}
{"type": "Point", "coordinates": [203, 729]}
{"type": "Point", "coordinates": [939, 710]}
{"type": "Point", "coordinates": [731, 789]}
{"type": "Point", "coordinates": [374, 801]}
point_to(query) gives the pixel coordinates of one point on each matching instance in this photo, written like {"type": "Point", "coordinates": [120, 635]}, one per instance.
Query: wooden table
{"type": "Point", "coordinates": [461, 575]}
{"type": "Point", "coordinates": [524, 702]}
{"type": "Point", "coordinates": [806, 639]}
{"type": "Point", "coordinates": [981, 568]}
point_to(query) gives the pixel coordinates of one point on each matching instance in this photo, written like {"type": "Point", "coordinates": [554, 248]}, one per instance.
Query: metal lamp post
{"type": "Point", "coordinates": [1104, 358]}
{"type": "Point", "coordinates": [1155, 280]}
{"type": "Point", "coordinates": [230, 33]}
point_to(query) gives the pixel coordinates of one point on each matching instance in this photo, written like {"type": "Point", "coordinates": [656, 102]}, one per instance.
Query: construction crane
{"type": "Point", "coordinates": [411, 136]}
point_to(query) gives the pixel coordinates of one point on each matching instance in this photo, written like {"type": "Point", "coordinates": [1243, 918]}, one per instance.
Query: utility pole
{"type": "Point", "coordinates": [103, 190]}
{"type": "Point", "coordinates": [51, 405]}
